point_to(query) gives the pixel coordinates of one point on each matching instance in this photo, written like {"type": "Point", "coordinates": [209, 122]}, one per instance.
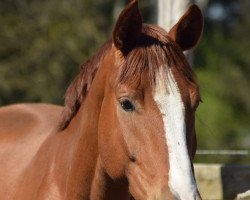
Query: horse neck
{"type": "Point", "coordinates": [78, 149]}
{"type": "Point", "coordinates": [64, 166]}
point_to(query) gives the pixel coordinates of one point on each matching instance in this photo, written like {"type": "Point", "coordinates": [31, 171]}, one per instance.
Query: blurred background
{"type": "Point", "coordinates": [43, 43]}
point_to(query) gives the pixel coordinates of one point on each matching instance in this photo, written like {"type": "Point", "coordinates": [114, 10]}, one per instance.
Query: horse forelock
{"type": "Point", "coordinates": [152, 50]}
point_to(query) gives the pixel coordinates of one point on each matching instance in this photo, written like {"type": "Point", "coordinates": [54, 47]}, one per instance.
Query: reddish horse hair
{"type": "Point", "coordinates": [127, 130]}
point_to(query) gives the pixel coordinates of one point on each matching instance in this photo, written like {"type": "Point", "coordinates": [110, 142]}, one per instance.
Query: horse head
{"type": "Point", "coordinates": [146, 129]}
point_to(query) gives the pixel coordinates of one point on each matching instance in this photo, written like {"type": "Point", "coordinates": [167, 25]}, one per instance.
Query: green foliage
{"type": "Point", "coordinates": [223, 68]}
{"type": "Point", "coordinates": [44, 42]}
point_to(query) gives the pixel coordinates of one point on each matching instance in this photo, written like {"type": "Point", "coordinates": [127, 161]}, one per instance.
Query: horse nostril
{"type": "Point", "coordinates": [132, 158]}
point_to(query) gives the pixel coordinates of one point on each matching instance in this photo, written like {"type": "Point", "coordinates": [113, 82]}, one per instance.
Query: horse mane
{"type": "Point", "coordinates": [78, 89]}
{"type": "Point", "coordinates": [152, 50]}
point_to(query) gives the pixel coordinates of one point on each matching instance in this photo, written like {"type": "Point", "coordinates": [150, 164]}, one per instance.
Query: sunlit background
{"type": "Point", "coordinates": [42, 44]}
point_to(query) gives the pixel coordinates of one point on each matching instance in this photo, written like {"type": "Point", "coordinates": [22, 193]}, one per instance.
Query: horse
{"type": "Point", "coordinates": [127, 129]}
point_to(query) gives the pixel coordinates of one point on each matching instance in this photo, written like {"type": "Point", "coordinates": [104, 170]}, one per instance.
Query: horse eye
{"type": "Point", "coordinates": [127, 105]}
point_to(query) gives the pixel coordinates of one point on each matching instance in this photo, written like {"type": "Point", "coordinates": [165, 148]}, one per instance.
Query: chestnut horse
{"type": "Point", "coordinates": [127, 128]}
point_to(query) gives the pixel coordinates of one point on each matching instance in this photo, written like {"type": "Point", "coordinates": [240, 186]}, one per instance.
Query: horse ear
{"type": "Point", "coordinates": [128, 27]}
{"type": "Point", "coordinates": [188, 30]}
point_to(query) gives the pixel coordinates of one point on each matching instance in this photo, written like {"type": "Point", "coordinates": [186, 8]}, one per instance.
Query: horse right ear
{"type": "Point", "coordinates": [187, 32]}
{"type": "Point", "coordinates": [128, 27]}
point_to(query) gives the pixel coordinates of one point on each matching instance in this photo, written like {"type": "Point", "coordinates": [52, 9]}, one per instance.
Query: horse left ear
{"type": "Point", "coordinates": [188, 30]}
{"type": "Point", "coordinates": [128, 27]}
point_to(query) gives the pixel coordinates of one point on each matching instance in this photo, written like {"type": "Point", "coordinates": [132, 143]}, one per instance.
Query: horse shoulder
{"type": "Point", "coordinates": [20, 120]}
{"type": "Point", "coordinates": [23, 129]}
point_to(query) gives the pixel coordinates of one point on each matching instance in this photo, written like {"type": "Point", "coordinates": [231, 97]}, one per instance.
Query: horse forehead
{"type": "Point", "coordinates": [172, 89]}
{"type": "Point", "coordinates": [170, 80]}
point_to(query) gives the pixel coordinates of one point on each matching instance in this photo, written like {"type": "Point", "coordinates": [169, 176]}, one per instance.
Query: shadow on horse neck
{"type": "Point", "coordinates": [127, 128]}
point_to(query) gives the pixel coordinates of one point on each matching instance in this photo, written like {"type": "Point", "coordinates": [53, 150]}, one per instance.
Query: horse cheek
{"type": "Point", "coordinates": [111, 147]}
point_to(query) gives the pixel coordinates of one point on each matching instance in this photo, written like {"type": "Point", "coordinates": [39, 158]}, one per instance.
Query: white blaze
{"type": "Point", "coordinates": [168, 98]}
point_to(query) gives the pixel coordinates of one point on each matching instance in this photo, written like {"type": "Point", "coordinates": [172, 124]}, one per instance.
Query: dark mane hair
{"type": "Point", "coordinates": [153, 49]}
{"type": "Point", "coordinates": [79, 87]}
